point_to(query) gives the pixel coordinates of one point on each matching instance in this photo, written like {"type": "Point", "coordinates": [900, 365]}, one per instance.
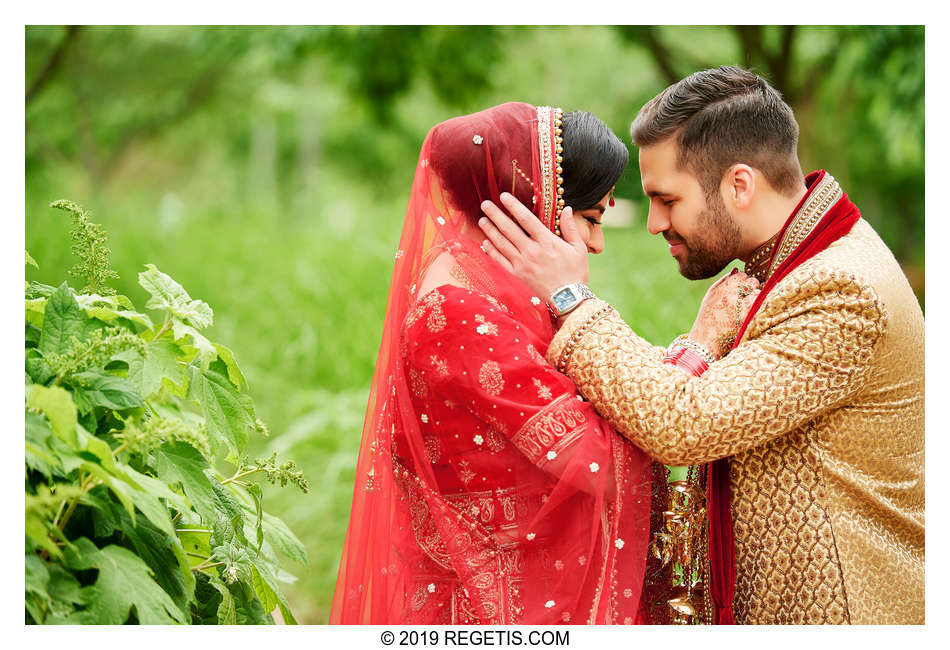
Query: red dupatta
{"type": "Point", "coordinates": [485, 491]}
{"type": "Point", "coordinates": [834, 224]}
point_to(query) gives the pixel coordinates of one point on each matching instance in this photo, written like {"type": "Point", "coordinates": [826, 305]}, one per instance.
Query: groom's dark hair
{"type": "Point", "coordinates": [721, 117]}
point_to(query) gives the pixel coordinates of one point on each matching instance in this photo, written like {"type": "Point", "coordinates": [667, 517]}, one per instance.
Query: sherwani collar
{"type": "Point", "coordinates": [822, 195]}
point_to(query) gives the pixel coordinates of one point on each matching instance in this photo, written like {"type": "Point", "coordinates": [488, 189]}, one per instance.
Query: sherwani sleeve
{"type": "Point", "coordinates": [806, 352]}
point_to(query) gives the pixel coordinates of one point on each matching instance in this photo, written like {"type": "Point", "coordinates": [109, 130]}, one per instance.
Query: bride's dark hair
{"type": "Point", "coordinates": [594, 159]}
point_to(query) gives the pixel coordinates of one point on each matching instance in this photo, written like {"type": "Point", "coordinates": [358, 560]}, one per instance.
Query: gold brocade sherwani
{"type": "Point", "coordinates": [821, 409]}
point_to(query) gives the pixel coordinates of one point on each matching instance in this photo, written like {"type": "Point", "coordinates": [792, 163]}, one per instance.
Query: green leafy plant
{"type": "Point", "coordinates": [129, 518]}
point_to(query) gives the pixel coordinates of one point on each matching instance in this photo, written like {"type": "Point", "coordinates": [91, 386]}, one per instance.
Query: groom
{"type": "Point", "coordinates": [812, 416]}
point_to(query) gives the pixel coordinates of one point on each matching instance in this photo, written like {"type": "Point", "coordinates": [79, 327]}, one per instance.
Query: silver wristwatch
{"type": "Point", "coordinates": [566, 298]}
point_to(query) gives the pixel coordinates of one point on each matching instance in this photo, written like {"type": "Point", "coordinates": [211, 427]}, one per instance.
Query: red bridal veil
{"type": "Point", "coordinates": [487, 491]}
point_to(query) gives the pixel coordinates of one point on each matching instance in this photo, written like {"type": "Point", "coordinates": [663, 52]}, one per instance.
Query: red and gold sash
{"type": "Point", "coordinates": [823, 216]}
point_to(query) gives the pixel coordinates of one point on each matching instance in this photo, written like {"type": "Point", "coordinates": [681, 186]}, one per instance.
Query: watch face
{"type": "Point", "coordinates": [563, 299]}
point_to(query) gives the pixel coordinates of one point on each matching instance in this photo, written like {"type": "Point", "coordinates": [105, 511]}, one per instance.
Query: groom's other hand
{"type": "Point", "coordinates": [534, 254]}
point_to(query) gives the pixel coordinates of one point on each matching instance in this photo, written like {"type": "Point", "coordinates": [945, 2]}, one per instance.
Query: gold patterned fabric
{"type": "Point", "coordinates": [821, 409]}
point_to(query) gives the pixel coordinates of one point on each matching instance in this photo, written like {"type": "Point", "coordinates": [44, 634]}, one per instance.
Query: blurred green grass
{"type": "Point", "coordinates": [300, 301]}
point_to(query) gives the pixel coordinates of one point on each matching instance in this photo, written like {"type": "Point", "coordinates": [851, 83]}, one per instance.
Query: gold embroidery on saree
{"type": "Point", "coordinates": [551, 429]}
{"type": "Point", "coordinates": [490, 378]}
{"type": "Point", "coordinates": [546, 156]}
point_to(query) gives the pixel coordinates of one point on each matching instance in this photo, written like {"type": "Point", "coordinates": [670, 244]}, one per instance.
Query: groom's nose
{"type": "Point", "coordinates": [657, 221]}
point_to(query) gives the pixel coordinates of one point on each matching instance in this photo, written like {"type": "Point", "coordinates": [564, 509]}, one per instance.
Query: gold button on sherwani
{"type": "Point", "coordinates": [820, 409]}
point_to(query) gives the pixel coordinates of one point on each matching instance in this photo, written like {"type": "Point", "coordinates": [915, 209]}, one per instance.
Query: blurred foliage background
{"type": "Point", "coordinates": [267, 169]}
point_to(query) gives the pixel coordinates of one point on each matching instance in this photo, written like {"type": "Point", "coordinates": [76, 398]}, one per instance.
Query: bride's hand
{"type": "Point", "coordinates": [722, 312]}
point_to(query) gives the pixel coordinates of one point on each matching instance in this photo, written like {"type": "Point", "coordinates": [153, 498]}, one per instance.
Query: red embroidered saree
{"type": "Point", "coordinates": [487, 491]}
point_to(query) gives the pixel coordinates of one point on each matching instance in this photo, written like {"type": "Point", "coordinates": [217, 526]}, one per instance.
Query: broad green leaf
{"type": "Point", "coordinates": [180, 461]}
{"type": "Point", "coordinates": [37, 367]}
{"type": "Point", "coordinates": [146, 493]}
{"type": "Point", "coordinates": [38, 529]}
{"type": "Point", "coordinates": [255, 490]}
{"type": "Point", "coordinates": [97, 447]}
{"type": "Point", "coordinates": [105, 314]}
{"type": "Point", "coordinates": [37, 579]}
{"type": "Point", "coordinates": [35, 607]}
{"type": "Point", "coordinates": [118, 486]}
{"type": "Point", "coordinates": [229, 523]}
{"type": "Point", "coordinates": [38, 290]}
{"type": "Point", "coordinates": [263, 570]}
{"type": "Point", "coordinates": [62, 320]}
{"type": "Point", "coordinates": [38, 454]}
{"type": "Point", "coordinates": [207, 600]}
{"type": "Point", "coordinates": [31, 336]}
{"type": "Point", "coordinates": [247, 606]}
{"type": "Point", "coordinates": [56, 404]}
{"type": "Point", "coordinates": [30, 260]}
{"type": "Point", "coordinates": [171, 297]}
{"type": "Point", "coordinates": [195, 543]}
{"type": "Point", "coordinates": [37, 576]}
{"type": "Point", "coordinates": [234, 372]}
{"type": "Point", "coordinates": [104, 523]}
{"type": "Point", "coordinates": [101, 388]}
{"type": "Point", "coordinates": [280, 536]}
{"type": "Point", "coordinates": [163, 553]}
{"type": "Point", "coordinates": [227, 614]}
{"type": "Point", "coordinates": [65, 593]}
{"type": "Point", "coordinates": [109, 308]}
{"type": "Point", "coordinates": [229, 415]}
{"type": "Point", "coordinates": [146, 373]}
{"type": "Point", "coordinates": [204, 347]}
{"type": "Point", "coordinates": [35, 309]}
{"type": "Point", "coordinates": [266, 595]}
{"type": "Point", "coordinates": [124, 582]}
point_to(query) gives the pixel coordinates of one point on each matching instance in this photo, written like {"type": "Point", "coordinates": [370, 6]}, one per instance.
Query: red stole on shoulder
{"type": "Point", "coordinates": [836, 222]}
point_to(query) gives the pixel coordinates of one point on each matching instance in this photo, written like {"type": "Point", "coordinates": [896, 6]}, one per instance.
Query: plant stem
{"type": "Point", "coordinates": [191, 530]}
{"type": "Point", "coordinates": [241, 475]}
{"type": "Point", "coordinates": [87, 485]}
{"type": "Point", "coordinates": [203, 566]}
{"type": "Point", "coordinates": [59, 512]}
{"type": "Point", "coordinates": [167, 324]}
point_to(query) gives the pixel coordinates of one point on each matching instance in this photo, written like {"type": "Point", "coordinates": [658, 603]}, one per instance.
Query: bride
{"type": "Point", "coordinates": [487, 490]}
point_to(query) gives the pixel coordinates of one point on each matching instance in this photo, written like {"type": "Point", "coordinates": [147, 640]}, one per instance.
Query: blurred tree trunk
{"type": "Point", "coordinates": [53, 64]}
{"type": "Point", "coordinates": [308, 158]}
{"type": "Point", "coordinates": [775, 61]}
{"type": "Point", "coordinates": [262, 163]}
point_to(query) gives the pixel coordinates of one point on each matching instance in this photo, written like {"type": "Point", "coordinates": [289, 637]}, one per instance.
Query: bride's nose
{"type": "Point", "coordinates": [595, 243]}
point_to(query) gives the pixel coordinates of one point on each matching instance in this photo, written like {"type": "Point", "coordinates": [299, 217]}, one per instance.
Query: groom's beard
{"type": "Point", "coordinates": [712, 246]}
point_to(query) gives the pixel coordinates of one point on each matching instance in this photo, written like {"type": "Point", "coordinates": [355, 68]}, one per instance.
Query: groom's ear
{"type": "Point", "coordinates": [740, 185]}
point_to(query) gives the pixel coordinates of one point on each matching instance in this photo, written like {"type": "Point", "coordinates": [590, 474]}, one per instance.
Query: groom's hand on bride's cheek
{"type": "Point", "coordinates": [524, 246]}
